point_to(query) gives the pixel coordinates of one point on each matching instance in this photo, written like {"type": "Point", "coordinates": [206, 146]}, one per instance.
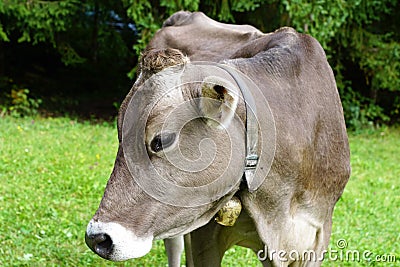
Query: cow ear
{"type": "Point", "coordinates": [219, 100]}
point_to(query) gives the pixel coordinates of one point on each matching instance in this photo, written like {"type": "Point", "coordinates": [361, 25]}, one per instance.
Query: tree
{"type": "Point", "coordinates": [48, 45]}
{"type": "Point", "coordinates": [38, 21]}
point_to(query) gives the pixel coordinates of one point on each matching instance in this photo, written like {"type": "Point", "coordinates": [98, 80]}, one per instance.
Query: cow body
{"type": "Point", "coordinates": [292, 209]}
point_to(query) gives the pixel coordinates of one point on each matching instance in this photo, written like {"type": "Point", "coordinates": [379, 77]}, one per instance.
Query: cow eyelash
{"type": "Point", "coordinates": [162, 141]}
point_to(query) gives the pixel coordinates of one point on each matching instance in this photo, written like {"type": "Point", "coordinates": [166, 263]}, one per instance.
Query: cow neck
{"type": "Point", "coordinates": [252, 157]}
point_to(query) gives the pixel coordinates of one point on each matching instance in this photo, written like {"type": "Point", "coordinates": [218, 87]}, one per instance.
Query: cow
{"type": "Point", "coordinates": [221, 112]}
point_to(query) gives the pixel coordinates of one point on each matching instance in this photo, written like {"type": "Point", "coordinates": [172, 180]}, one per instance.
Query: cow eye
{"type": "Point", "coordinates": [162, 141]}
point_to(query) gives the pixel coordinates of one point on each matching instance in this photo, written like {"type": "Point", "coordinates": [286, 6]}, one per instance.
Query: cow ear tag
{"type": "Point", "coordinates": [229, 213]}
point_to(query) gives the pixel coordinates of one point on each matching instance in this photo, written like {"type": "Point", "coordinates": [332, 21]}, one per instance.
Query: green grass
{"type": "Point", "coordinates": [368, 214]}
{"type": "Point", "coordinates": [53, 173]}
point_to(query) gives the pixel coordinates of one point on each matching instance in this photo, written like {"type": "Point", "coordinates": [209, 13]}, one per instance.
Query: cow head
{"type": "Point", "coordinates": [180, 158]}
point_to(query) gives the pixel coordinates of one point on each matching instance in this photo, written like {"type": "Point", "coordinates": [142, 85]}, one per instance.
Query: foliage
{"type": "Point", "coordinates": [360, 112]}
{"type": "Point", "coordinates": [37, 21]}
{"type": "Point", "coordinates": [67, 51]}
{"type": "Point", "coordinates": [18, 102]}
{"type": "Point", "coordinates": [22, 104]}
{"type": "Point", "coordinates": [64, 25]}
{"type": "Point", "coordinates": [53, 173]}
{"type": "Point", "coordinates": [356, 34]}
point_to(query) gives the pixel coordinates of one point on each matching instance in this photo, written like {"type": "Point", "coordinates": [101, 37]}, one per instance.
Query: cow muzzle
{"type": "Point", "coordinates": [114, 242]}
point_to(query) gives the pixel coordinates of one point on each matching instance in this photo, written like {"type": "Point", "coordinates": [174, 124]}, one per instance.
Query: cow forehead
{"type": "Point", "coordinates": [167, 100]}
{"type": "Point", "coordinates": [174, 91]}
{"type": "Point", "coordinates": [156, 92]}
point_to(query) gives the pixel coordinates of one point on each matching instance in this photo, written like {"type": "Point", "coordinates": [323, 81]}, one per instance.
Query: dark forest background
{"type": "Point", "coordinates": [78, 58]}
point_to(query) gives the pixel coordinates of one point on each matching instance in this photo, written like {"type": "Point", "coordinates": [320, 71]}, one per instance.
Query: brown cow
{"type": "Point", "coordinates": [270, 106]}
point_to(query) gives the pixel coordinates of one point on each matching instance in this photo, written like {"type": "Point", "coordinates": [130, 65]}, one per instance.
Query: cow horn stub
{"type": "Point", "coordinates": [155, 60]}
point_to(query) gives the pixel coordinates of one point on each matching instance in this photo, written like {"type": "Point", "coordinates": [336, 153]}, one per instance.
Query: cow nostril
{"type": "Point", "coordinates": [105, 245]}
{"type": "Point", "coordinates": [100, 243]}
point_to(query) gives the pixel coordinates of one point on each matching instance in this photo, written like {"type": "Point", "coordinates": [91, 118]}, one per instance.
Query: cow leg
{"type": "Point", "coordinates": [266, 263]}
{"type": "Point", "coordinates": [188, 250]}
{"type": "Point", "coordinates": [320, 241]}
{"type": "Point", "coordinates": [174, 248]}
{"type": "Point", "coordinates": [206, 250]}
{"type": "Point", "coordinates": [210, 242]}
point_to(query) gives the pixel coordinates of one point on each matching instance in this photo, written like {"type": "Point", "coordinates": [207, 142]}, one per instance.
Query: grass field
{"type": "Point", "coordinates": [53, 173]}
